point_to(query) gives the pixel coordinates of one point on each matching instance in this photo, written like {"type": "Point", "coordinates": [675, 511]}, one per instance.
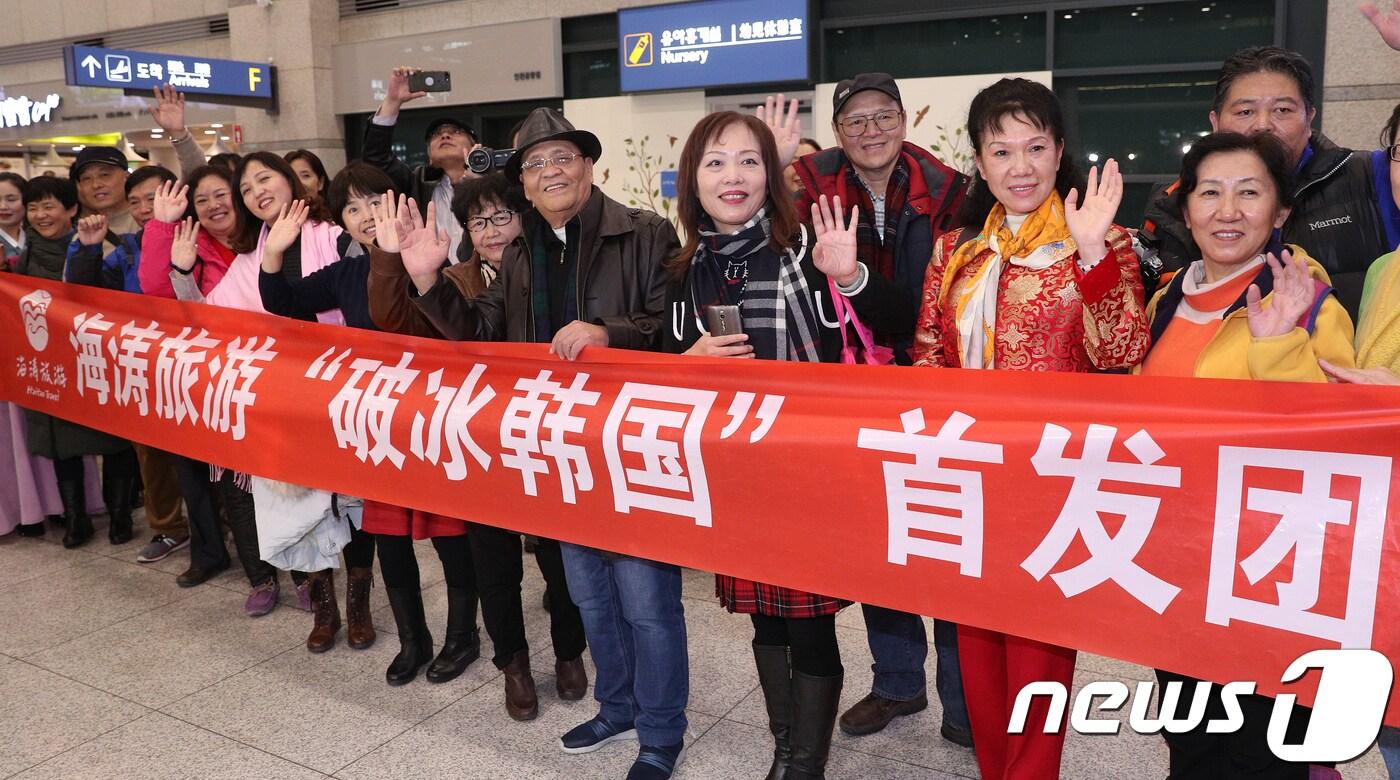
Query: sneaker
{"type": "Point", "coordinates": [161, 547]}
{"type": "Point", "coordinates": [304, 596]}
{"type": "Point", "coordinates": [588, 737]}
{"type": "Point", "coordinates": [657, 763]}
{"type": "Point", "coordinates": [262, 599]}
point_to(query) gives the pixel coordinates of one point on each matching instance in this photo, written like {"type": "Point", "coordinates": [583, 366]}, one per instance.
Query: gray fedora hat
{"type": "Point", "coordinates": [546, 124]}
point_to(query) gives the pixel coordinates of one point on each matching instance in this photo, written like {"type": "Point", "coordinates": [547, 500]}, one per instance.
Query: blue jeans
{"type": "Point", "coordinates": [635, 625]}
{"type": "Point", "coordinates": [1390, 750]}
{"type": "Point", "coordinates": [899, 646]}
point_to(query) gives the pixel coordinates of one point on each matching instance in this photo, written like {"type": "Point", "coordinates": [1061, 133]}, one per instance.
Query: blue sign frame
{"type": "Point", "coordinates": [205, 79]}
{"type": "Point", "coordinates": [714, 43]}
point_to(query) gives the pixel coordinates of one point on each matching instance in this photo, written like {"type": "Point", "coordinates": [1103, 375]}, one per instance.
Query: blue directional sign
{"type": "Point", "coordinates": [202, 78]}
{"type": "Point", "coordinates": [713, 43]}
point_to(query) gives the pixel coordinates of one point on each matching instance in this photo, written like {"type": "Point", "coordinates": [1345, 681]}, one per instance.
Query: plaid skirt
{"type": "Point", "coordinates": [751, 597]}
{"type": "Point", "coordinates": [390, 520]}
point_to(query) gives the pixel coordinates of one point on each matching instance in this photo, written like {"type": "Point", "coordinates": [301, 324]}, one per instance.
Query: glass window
{"type": "Point", "coordinates": [590, 74]}
{"type": "Point", "coordinates": [1146, 122]}
{"type": "Point", "coordinates": [1160, 33]}
{"type": "Point", "coordinates": [944, 47]}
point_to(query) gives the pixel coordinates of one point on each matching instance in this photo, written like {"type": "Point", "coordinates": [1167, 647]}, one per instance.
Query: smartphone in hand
{"type": "Point", "coordinates": [430, 81]}
{"type": "Point", "coordinates": [724, 320]}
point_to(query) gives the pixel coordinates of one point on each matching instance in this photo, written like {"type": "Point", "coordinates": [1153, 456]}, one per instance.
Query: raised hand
{"type": "Point", "coordinates": [1088, 222]}
{"type": "Point", "coordinates": [171, 201]}
{"type": "Point", "coordinates": [424, 247]}
{"type": "Point", "coordinates": [1387, 24]}
{"type": "Point", "coordinates": [283, 233]}
{"type": "Point", "coordinates": [1293, 296]}
{"type": "Point", "coordinates": [168, 110]}
{"type": "Point", "coordinates": [92, 230]}
{"type": "Point", "coordinates": [386, 221]}
{"type": "Point", "coordinates": [184, 249]}
{"type": "Point", "coordinates": [787, 130]}
{"type": "Point", "coordinates": [835, 252]}
{"type": "Point", "coordinates": [734, 345]}
{"type": "Point", "coordinates": [399, 92]}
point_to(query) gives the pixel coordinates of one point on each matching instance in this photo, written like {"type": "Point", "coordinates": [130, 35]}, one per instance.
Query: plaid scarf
{"type": "Point", "coordinates": [769, 287]}
{"type": "Point", "coordinates": [540, 234]}
{"type": "Point", "coordinates": [874, 249]}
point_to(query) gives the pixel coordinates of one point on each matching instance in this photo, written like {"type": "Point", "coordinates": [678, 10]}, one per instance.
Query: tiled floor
{"type": "Point", "coordinates": [108, 670]}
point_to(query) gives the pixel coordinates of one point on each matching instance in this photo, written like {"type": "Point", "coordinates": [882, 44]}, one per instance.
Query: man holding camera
{"type": "Point", "coordinates": [449, 142]}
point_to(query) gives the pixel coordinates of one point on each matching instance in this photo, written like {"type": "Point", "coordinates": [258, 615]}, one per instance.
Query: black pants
{"type": "Point", "coordinates": [398, 566]}
{"type": "Point", "coordinates": [1196, 755]}
{"type": "Point", "coordinates": [241, 517]}
{"type": "Point", "coordinates": [121, 469]}
{"type": "Point", "coordinates": [499, 570]}
{"type": "Point", "coordinates": [812, 642]}
{"type": "Point", "coordinates": [207, 549]}
{"type": "Point", "coordinates": [358, 552]}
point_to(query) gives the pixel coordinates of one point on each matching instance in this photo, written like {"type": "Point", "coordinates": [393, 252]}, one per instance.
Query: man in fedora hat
{"type": "Point", "coordinates": [585, 272]}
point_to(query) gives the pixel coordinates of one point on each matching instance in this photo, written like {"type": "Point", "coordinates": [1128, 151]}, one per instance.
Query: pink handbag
{"type": "Point", "coordinates": [867, 352]}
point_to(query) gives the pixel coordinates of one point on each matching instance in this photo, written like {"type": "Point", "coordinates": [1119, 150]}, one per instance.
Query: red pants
{"type": "Point", "coordinates": [995, 667]}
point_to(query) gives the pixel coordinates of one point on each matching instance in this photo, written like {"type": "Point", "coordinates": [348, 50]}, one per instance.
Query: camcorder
{"type": "Point", "coordinates": [485, 160]}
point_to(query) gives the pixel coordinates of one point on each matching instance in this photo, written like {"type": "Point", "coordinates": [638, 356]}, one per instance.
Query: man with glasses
{"type": "Point", "coordinates": [906, 198]}
{"type": "Point", "coordinates": [585, 272]}
{"type": "Point", "coordinates": [449, 141]}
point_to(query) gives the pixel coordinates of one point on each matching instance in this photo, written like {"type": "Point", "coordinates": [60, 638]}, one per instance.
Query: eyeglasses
{"type": "Point", "coordinates": [540, 163]}
{"type": "Point", "coordinates": [853, 126]}
{"type": "Point", "coordinates": [1395, 153]}
{"type": "Point", "coordinates": [499, 219]}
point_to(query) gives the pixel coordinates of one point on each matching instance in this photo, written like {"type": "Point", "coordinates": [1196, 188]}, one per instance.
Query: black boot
{"type": "Point", "coordinates": [119, 476]}
{"type": "Point", "coordinates": [415, 643]}
{"type": "Point", "coordinates": [73, 493]}
{"type": "Point", "coordinates": [815, 702]}
{"type": "Point", "coordinates": [775, 678]}
{"type": "Point", "coordinates": [463, 642]}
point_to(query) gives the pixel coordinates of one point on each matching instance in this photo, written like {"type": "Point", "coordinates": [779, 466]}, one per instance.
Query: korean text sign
{"type": "Point", "coordinates": [713, 43]}
{"type": "Point", "coordinates": [1215, 528]}
{"type": "Point", "coordinates": [90, 66]}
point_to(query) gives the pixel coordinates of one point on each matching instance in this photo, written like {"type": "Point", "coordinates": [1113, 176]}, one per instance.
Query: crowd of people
{"type": "Point", "coordinates": [1236, 271]}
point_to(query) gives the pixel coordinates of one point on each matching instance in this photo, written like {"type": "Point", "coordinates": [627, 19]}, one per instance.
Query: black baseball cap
{"type": "Point", "coordinates": [444, 120]}
{"type": "Point", "coordinates": [94, 155]}
{"type": "Point", "coordinates": [847, 89]}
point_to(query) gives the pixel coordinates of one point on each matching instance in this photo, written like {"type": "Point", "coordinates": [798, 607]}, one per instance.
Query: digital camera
{"type": "Point", "coordinates": [485, 160]}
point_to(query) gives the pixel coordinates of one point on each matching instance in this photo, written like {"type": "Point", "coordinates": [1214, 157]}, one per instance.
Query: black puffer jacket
{"type": "Point", "coordinates": [621, 282]}
{"type": "Point", "coordinates": [1336, 219]}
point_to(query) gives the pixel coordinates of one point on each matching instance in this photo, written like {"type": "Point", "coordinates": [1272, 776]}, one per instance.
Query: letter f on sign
{"type": "Point", "coordinates": [254, 78]}
{"type": "Point", "coordinates": [1347, 713]}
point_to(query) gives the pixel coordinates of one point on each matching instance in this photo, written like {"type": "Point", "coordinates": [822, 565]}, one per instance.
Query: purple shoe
{"type": "Point", "coordinates": [304, 596]}
{"type": "Point", "coordinates": [262, 599]}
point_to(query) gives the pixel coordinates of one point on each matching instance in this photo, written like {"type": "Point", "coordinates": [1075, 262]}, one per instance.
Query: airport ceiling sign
{"type": "Point", "coordinates": [200, 78]}
{"type": "Point", "coordinates": [713, 43]}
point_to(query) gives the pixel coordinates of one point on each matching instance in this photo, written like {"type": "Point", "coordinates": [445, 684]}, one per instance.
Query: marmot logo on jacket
{"type": "Point", "coordinates": [1327, 223]}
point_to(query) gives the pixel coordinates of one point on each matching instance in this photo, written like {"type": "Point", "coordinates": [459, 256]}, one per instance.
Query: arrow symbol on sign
{"type": "Point", "coordinates": [92, 65]}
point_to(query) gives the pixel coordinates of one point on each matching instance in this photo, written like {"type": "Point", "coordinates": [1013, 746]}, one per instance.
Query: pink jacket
{"type": "Point", "coordinates": [155, 259]}
{"type": "Point", "coordinates": [239, 287]}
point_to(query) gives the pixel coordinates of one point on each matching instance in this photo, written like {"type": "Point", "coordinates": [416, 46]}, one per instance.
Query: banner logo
{"type": "Point", "coordinates": [32, 308]}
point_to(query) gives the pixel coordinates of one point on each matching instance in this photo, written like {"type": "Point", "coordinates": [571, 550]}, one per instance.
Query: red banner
{"type": "Point", "coordinates": [1215, 528]}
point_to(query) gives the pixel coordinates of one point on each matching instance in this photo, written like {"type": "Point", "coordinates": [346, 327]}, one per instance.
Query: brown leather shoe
{"type": "Point", "coordinates": [570, 679]}
{"type": "Point", "coordinates": [359, 629]}
{"type": "Point", "coordinates": [326, 612]}
{"type": "Point", "coordinates": [873, 713]}
{"type": "Point", "coordinates": [522, 703]}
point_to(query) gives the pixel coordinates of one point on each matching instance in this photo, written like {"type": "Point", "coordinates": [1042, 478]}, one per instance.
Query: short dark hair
{"type": "Point", "coordinates": [1266, 147]}
{"type": "Point", "coordinates": [1390, 134]}
{"type": "Point", "coordinates": [226, 160]}
{"type": "Point", "coordinates": [317, 167]}
{"type": "Point", "coordinates": [812, 142]}
{"type": "Point", "coordinates": [357, 178]}
{"type": "Point", "coordinates": [146, 173]}
{"type": "Point", "coordinates": [44, 187]}
{"type": "Point", "coordinates": [1264, 59]}
{"type": "Point", "coordinates": [1023, 99]}
{"type": "Point", "coordinates": [15, 179]}
{"type": "Point", "coordinates": [194, 177]}
{"type": "Point", "coordinates": [249, 226]}
{"type": "Point", "coordinates": [474, 195]}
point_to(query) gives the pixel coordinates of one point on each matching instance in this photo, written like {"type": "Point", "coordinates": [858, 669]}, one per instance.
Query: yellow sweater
{"type": "Point", "coordinates": [1234, 353]}
{"type": "Point", "coordinates": [1378, 335]}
